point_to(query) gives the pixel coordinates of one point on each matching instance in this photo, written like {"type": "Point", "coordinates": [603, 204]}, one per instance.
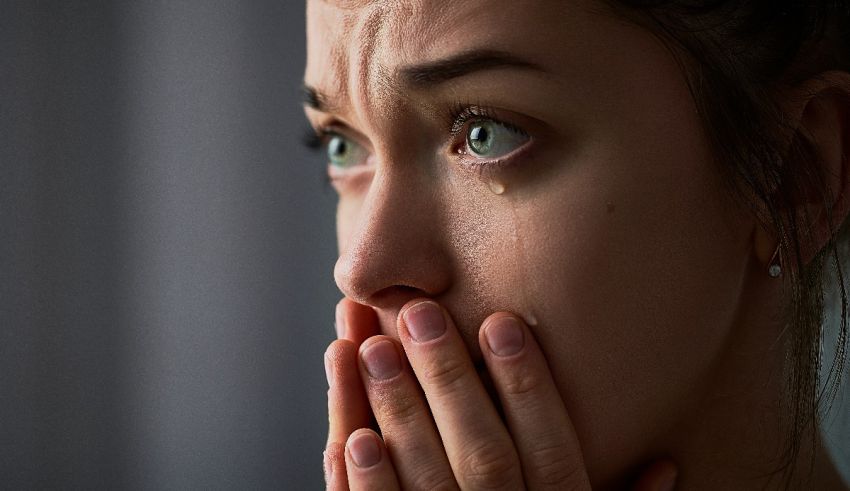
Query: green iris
{"type": "Point", "coordinates": [491, 139]}
{"type": "Point", "coordinates": [344, 153]}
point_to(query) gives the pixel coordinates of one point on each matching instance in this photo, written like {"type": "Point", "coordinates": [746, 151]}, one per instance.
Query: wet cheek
{"type": "Point", "coordinates": [477, 232]}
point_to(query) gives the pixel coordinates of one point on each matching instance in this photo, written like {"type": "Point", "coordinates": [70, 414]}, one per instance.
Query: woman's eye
{"type": "Point", "coordinates": [344, 153]}
{"type": "Point", "coordinates": [491, 139]}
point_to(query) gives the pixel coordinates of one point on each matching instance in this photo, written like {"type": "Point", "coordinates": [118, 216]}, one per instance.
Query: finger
{"type": "Point", "coordinates": [355, 322]}
{"type": "Point", "coordinates": [403, 416]}
{"type": "Point", "coordinates": [336, 478]}
{"type": "Point", "coordinates": [660, 476]}
{"type": "Point", "coordinates": [348, 406]}
{"type": "Point", "coordinates": [367, 463]}
{"type": "Point", "coordinates": [477, 443]}
{"type": "Point", "coordinates": [537, 418]}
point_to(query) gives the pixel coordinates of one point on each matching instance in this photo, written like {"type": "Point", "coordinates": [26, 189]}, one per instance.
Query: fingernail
{"type": "Point", "coordinates": [504, 336]}
{"type": "Point", "coordinates": [425, 321]}
{"type": "Point", "coordinates": [339, 322]}
{"type": "Point", "coordinates": [329, 371]}
{"type": "Point", "coordinates": [364, 450]}
{"type": "Point", "coordinates": [382, 360]}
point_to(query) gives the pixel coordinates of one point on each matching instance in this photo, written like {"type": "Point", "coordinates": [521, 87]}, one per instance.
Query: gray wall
{"type": "Point", "coordinates": [166, 248]}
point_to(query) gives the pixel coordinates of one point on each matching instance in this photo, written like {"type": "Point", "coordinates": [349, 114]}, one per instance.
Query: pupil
{"type": "Point", "coordinates": [338, 147]}
{"type": "Point", "coordinates": [478, 134]}
{"type": "Point", "coordinates": [479, 139]}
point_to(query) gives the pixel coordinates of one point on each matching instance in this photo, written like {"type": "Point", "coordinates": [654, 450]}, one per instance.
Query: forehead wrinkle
{"type": "Point", "coordinates": [339, 67]}
{"type": "Point", "coordinates": [334, 26]}
{"type": "Point", "coordinates": [367, 37]}
{"type": "Point", "coordinates": [421, 26]}
{"type": "Point", "coordinates": [361, 34]}
{"type": "Point", "coordinates": [374, 86]}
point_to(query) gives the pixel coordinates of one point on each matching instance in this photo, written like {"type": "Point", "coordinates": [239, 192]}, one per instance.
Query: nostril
{"type": "Point", "coordinates": [394, 297]}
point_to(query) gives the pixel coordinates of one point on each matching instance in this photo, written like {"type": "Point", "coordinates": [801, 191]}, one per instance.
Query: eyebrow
{"type": "Point", "coordinates": [313, 98]}
{"type": "Point", "coordinates": [436, 72]}
{"type": "Point", "coordinates": [460, 65]}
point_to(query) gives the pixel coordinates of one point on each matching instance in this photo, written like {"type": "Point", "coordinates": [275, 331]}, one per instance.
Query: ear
{"type": "Point", "coordinates": [822, 106]}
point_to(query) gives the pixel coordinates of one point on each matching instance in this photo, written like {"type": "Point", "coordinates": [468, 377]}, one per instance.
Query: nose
{"type": "Point", "coordinates": [395, 251]}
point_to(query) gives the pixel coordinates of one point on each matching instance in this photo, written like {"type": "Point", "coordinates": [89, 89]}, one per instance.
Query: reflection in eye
{"type": "Point", "coordinates": [491, 139]}
{"type": "Point", "coordinates": [343, 152]}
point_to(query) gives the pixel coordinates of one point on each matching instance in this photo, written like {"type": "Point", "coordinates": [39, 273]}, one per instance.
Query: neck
{"type": "Point", "coordinates": [739, 436]}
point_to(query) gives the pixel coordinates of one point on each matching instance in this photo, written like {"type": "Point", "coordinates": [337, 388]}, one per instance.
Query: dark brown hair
{"type": "Point", "coordinates": [738, 55]}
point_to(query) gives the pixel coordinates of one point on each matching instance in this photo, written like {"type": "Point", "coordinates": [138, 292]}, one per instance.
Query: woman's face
{"type": "Point", "coordinates": [544, 158]}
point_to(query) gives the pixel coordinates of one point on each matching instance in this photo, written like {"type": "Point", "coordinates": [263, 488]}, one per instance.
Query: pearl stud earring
{"type": "Point", "coordinates": [774, 268]}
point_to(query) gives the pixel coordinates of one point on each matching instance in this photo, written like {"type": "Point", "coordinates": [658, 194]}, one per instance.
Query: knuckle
{"type": "Point", "coordinates": [433, 479]}
{"type": "Point", "coordinates": [444, 374]}
{"type": "Point", "coordinates": [336, 452]}
{"type": "Point", "coordinates": [398, 409]}
{"type": "Point", "coordinates": [338, 348]}
{"type": "Point", "coordinates": [522, 384]}
{"type": "Point", "coordinates": [492, 465]}
{"type": "Point", "coordinates": [554, 467]}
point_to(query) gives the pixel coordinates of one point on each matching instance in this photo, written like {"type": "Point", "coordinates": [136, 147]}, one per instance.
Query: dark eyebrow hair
{"type": "Point", "coordinates": [311, 97]}
{"type": "Point", "coordinates": [439, 71]}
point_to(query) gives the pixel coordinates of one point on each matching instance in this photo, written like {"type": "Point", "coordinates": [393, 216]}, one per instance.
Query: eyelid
{"type": "Point", "coordinates": [463, 116]}
{"type": "Point", "coordinates": [331, 125]}
{"type": "Point", "coordinates": [325, 132]}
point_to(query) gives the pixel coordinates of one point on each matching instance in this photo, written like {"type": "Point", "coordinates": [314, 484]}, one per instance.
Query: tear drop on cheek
{"type": "Point", "coordinates": [519, 255]}
{"type": "Point", "coordinates": [497, 187]}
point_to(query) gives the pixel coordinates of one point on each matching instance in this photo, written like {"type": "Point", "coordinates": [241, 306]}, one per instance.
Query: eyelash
{"type": "Point", "coordinates": [315, 141]}
{"type": "Point", "coordinates": [312, 139]}
{"type": "Point", "coordinates": [462, 113]}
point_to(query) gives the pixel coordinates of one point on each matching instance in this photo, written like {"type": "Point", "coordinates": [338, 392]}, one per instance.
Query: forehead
{"type": "Point", "coordinates": [354, 42]}
{"type": "Point", "coordinates": [338, 30]}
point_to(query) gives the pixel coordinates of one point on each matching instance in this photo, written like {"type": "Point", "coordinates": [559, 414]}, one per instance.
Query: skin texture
{"type": "Point", "coordinates": [644, 283]}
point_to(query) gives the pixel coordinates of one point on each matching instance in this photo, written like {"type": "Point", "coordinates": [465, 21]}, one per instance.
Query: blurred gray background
{"type": "Point", "coordinates": [166, 252]}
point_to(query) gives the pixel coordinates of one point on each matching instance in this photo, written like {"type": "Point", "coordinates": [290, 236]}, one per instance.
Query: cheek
{"type": "Point", "coordinates": [635, 276]}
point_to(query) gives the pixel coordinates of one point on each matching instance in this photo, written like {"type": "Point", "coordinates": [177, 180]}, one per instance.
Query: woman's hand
{"type": "Point", "coordinates": [439, 428]}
